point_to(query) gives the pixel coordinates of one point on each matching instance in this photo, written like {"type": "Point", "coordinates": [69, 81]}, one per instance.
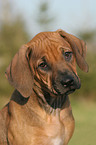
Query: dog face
{"type": "Point", "coordinates": [48, 63]}
{"type": "Point", "coordinates": [55, 67]}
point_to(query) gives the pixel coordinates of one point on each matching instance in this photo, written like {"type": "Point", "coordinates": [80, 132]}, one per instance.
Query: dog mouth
{"type": "Point", "coordinates": [65, 85]}
{"type": "Point", "coordinates": [65, 91]}
{"type": "Point", "coordinates": [57, 95]}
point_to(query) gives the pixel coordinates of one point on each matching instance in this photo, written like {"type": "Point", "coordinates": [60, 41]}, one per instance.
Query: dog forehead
{"type": "Point", "coordinates": [45, 38]}
{"type": "Point", "coordinates": [48, 44]}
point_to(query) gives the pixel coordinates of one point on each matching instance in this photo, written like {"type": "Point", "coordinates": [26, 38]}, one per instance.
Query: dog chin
{"type": "Point", "coordinates": [70, 92]}
{"type": "Point", "coordinates": [63, 91]}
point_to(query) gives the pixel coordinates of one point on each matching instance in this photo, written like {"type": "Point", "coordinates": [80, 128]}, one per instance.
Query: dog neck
{"type": "Point", "coordinates": [49, 102]}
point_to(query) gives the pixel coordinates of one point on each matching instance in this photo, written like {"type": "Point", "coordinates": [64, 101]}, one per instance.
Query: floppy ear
{"type": "Point", "coordinates": [78, 47]}
{"type": "Point", "coordinates": [19, 72]}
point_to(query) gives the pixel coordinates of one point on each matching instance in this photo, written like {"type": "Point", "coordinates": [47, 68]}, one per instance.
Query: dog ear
{"type": "Point", "coordinates": [19, 72]}
{"type": "Point", "coordinates": [78, 47]}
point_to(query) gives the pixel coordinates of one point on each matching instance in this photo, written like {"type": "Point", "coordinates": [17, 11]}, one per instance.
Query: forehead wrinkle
{"type": "Point", "coordinates": [55, 51]}
{"type": "Point", "coordinates": [51, 36]}
{"type": "Point", "coordinates": [49, 43]}
{"type": "Point", "coordinates": [51, 50]}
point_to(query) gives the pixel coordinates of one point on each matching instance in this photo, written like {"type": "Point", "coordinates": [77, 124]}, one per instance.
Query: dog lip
{"type": "Point", "coordinates": [70, 91]}
{"type": "Point", "coordinates": [54, 92]}
{"type": "Point", "coordinates": [67, 90]}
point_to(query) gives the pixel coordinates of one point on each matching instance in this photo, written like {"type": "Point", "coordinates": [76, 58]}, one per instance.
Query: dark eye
{"type": "Point", "coordinates": [68, 56]}
{"type": "Point", "coordinates": [43, 65]}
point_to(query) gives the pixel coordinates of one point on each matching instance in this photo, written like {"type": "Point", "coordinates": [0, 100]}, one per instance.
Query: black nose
{"type": "Point", "coordinates": [67, 81]}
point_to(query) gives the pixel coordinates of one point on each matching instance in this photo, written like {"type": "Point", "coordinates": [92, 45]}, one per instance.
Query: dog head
{"type": "Point", "coordinates": [48, 62]}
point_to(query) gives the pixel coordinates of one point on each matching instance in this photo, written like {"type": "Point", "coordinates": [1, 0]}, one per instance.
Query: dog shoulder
{"type": "Point", "coordinates": [3, 125]}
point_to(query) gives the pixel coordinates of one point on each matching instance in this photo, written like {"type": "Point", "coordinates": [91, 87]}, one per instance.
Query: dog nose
{"type": "Point", "coordinates": [67, 81]}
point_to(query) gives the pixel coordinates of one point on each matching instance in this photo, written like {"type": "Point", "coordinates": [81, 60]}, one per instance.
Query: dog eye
{"type": "Point", "coordinates": [68, 56]}
{"type": "Point", "coordinates": [43, 65]}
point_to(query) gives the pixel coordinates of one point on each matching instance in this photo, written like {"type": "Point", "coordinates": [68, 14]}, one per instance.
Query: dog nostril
{"type": "Point", "coordinates": [67, 82]}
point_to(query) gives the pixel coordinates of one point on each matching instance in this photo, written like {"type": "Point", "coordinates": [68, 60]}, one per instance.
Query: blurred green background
{"type": "Point", "coordinates": [17, 26]}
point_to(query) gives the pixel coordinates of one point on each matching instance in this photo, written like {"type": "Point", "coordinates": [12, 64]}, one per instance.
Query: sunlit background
{"type": "Point", "coordinates": [20, 20]}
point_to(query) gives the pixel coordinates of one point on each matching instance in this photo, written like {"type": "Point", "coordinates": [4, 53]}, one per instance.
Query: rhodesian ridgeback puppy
{"type": "Point", "coordinates": [43, 73]}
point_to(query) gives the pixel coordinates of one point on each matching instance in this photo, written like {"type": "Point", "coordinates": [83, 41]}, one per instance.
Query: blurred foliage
{"type": "Point", "coordinates": [88, 35]}
{"type": "Point", "coordinates": [43, 18]}
{"type": "Point", "coordinates": [12, 36]}
{"type": "Point", "coordinates": [88, 80]}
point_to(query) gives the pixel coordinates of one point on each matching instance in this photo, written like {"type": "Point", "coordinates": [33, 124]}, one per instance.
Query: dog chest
{"type": "Point", "coordinates": [51, 133]}
{"type": "Point", "coordinates": [57, 141]}
{"type": "Point", "coordinates": [55, 132]}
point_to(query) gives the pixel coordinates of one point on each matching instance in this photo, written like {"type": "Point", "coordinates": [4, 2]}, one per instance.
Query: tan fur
{"type": "Point", "coordinates": [28, 119]}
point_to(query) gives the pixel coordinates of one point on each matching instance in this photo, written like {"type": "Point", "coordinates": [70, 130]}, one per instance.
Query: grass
{"type": "Point", "coordinates": [3, 101]}
{"type": "Point", "coordinates": [85, 121]}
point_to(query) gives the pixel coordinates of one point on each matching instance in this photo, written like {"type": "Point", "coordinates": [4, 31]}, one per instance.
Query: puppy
{"type": "Point", "coordinates": [43, 73]}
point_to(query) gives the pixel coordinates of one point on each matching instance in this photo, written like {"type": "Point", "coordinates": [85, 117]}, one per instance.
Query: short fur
{"type": "Point", "coordinates": [43, 73]}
